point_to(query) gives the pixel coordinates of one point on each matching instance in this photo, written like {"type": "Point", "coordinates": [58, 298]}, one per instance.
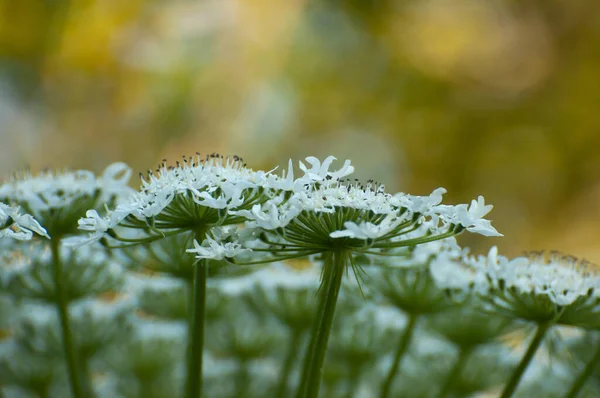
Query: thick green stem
{"type": "Point", "coordinates": [288, 364]}
{"type": "Point", "coordinates": [196, 335]}
{"type": "Point", "coordinates": [62, 306]}
{"type": "Point", "coordinates": [463, 356]}
{"type": "Point", "coordinates": [333, 270]}
{"type": "Point", "coordinates": [515, 378]}
{"type": "Point", "coordinates": [405, 339]}
{"type": "Point", "coordinates": [587, 372]}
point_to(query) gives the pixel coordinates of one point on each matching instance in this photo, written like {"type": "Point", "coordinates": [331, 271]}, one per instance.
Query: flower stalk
{"type": "Point", "coordinates": [463, 357]}
{"type": "Point", "coordinates": [289, 363]}
{"type": "Point", "coordinates": [196, 334]}
{"type": "Point", "coordinates": [333, 270]}
{"type": "Point", "coordinates": [62, 307]}
{"type": "Point", "coordinates": [403, 343]}
{"type": "Point", "coordinates": [515, 378]}
{"type": "Point", "coordinates": [577, 386]}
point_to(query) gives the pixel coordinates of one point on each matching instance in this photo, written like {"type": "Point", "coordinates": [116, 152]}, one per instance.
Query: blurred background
{"type": "Point", "coordinates": [495, 97]}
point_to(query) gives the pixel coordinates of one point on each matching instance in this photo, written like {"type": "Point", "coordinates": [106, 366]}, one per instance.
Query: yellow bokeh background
{"type": "Point", "coordinates": [496, 97]}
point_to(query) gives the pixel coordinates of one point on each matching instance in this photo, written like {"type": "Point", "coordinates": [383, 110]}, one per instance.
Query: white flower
{"type": "Point", "coordinates": [214, 250]}
{"type": "Point", "coordinates": [19, 226]}
{"type": "Point", "coordinates": [198, 192]}
{"type": "Point", "coordinates": [421, 204]}
{"type": "Point", "coordinates": [367, 230]}
{"type": "Point", "coordinates": [469, 217]}
{"type": "Point", "coordinates": [320, 171]}
{"type": "Point", "coordinates": [270, 216]}
{"type": "Point", "coordinates": [559, 280]}
{"type": "Point", "coordinates": [57, 200]}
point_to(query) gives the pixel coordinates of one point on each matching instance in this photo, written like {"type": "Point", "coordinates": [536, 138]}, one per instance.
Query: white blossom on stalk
{"type": "Point", "coordinates": [14, 224]}
{"type": "Point", "coordinates": [214, 250]}
{"type": "Point", "coordinates": [539, 288]}
{"type": "Point", "coordinates": [320, 171]}
{"type": "Point", "coordinates": [197, 193]}
{"type": "Point", "coordinates": [58, 199]}
{"type": "Point", "coordinates": [563, 279]}
{"type": "Point", "coordinates": [470, 217]}
{"type": "Point", "coordinates": [368, 230]}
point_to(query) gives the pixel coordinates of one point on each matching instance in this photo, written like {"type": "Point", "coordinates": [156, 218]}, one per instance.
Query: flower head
{"type": "Point", "coordinates": [196, 194]}
{"type": "Point", "coordinates": [470, 217]}
{"type": "Point", "coordinates": [541, 287]}
{"type": "Point", "coordinates": [214, 250]}
{"type": "Point", "coordinates": [339, 214]}
{"type": "Point", "coordinates": [57, 200]}
{"type": "Point", "coordinates": [18, 226]}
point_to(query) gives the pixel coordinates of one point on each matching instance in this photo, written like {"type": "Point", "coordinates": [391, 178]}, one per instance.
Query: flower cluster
{"type": "Point", "coordinates": [57, 200]}
{"type": "Point", "coordinates": [14, 224]}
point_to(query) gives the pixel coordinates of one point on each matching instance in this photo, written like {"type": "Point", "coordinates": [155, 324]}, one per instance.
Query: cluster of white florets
{"type": "Point", "coordinates": [16, 225]}
{"type": "Point", "coordinates": [269, 202]}
{"type": "Point", "coordinates": [50, 190]}
{"type": "Point", "coordinates": [560, 279]}
{"type": "Point", "coordinates": [54, 198]}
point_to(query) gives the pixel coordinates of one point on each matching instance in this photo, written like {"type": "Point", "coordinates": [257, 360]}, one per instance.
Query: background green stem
{"type": "Point", "coordinates": [242, 380]}
{"type": "Point", "coordinates": [62, 306]}
{"type": "Point", "coordinates": [463, 356]}
{"type": "Point", "coordinates": [587, 372]}
{"type": "Point", "coordinates": [289, 363]}
{"type": "Point", "coordinates": [196, 335]}
{"type": "Point", "coordinates": [512, 384]}
{"type": "Point", "coordinates": [405, 339]}
{"type": "Point", "coordinates": [353, 381]}
{"type": "Point", "coordinates": [333, 270]}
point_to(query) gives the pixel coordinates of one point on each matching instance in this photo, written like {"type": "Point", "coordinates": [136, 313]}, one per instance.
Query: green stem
{"type": "Point", "coordinates": [288, 364]}
{"type": "Point", "coordinates": [512, 384]}
{"type": "Point", "coordinates": [333, 270]}
{"type": "Point", "coordinates": [353, 382]}
{"type": "Point", "coordinates": [84, 362]}
{"type": "Point", "coordinates": [146, 388]}
{"type": "Point", "coordinates": [196, 335]}
{"type": "Point", "coordinates": [405, 339]}
{"type": "Point", "coordinates": [242, 379]}
{"type": "Point", "coordinates": [463, 356]}
{"type": "Point", "coordinates": [587, 372]}
{"type": "Point", "coordinates": [43, 392]}
{"type": "Point", "coordinates": [62, 306]}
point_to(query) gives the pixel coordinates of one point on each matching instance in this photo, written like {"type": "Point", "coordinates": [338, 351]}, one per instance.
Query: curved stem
{"type": "Point", "coordinates": [196, 334]}
{"type": "Point", "coordinates": [333, 270]}
{"type": "Point", "coordinates": [62, 307]}
{"type": "Point", "coordinates": [405, 339]}
{"type": "Point", "coordinates": [512, 384]}
{"type": "Point", "coordinates": [463, 356]}
{"type": "Point", "coordinates": [288, 364]}
{"type": "Point", "coordinates": [587, 372]}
